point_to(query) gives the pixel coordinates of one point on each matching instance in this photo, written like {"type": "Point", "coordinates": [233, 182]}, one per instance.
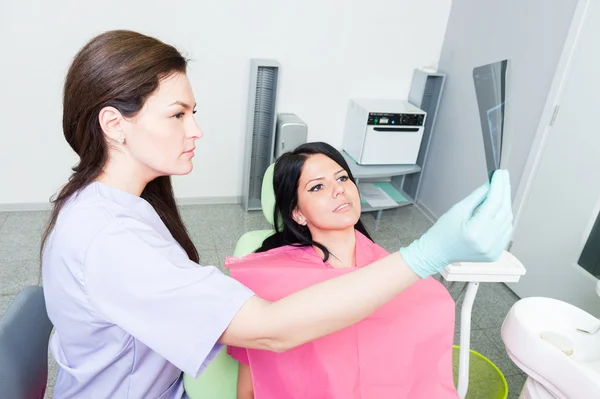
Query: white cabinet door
{"type": "Point", "coordinates": [562, 200]}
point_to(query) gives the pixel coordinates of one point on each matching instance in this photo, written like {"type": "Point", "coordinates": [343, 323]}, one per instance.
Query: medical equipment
{"type": "Point", "coordinates": [261, 119]}
{"type": "Point", "coordinates": [506, 269]}
{"type": "Point", "coordinates": [291, 131]}
{"type": "Point", "coordinates": [426, 91]}
{"type": "Point", "coordinates": [383, 131]}
{"type": "Point", "coordinates": [542, 338]}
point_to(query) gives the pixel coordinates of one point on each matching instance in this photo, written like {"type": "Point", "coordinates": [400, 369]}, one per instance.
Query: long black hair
{"type": "Point", "coordinates": [286, 176]}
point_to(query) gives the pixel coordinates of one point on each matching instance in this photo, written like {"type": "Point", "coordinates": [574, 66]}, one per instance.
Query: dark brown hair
{"type": "Point", "coordinates": [120, 69]}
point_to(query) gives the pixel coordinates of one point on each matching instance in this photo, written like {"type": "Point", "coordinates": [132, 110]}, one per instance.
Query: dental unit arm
{"type": "Point", "coordinates": [506, 269]}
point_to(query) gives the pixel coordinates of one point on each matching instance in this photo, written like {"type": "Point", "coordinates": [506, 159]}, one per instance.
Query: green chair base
{"type": "Point", "coordinates": [486, 381]}
{"type": "Point", "coordinates": [218, 381]}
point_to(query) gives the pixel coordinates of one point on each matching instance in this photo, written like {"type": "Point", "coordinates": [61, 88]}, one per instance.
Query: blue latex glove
{"type": "Point", "coordinates": [477, 229]}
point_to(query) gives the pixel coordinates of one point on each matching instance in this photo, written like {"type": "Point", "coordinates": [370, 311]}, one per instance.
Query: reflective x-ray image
{"type": "Point", "coordinates": [490, 89]}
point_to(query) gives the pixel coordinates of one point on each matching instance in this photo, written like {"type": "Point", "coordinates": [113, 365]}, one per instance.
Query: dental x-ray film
{"type": "Point", "coordinates": [490, 90]}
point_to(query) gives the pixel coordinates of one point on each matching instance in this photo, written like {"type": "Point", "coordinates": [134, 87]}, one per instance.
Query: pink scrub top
{"type": "Point", "coordinates": [402, 351]}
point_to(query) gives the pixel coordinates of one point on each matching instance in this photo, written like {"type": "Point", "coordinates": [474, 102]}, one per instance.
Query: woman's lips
{"type": "Point", "coordinates": [343, 207]}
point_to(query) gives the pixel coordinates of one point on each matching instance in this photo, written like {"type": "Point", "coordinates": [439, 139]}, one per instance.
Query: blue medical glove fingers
{"type": "Point", "coordinates": [479, 240]}
{"type": "Point", "coordinates": [473, 200]}
{"type": "Point", "coordinates": [496, 196]}
{"type": "Point", "coordinates": [461, 236]}
{"type": "Point", "coordinates": [495, 210]}
{"type": "Point", "coordinates": [495, 250]}
{"type": "Point", "coordinates": [490, 237]}
{"type": "Point", "coordinates": [504, 215]}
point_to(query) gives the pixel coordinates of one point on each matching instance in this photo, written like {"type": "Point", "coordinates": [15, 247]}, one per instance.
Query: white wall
{"type": "Point", "coordinates": [330, 51]}
{"type": "Point", "coordinates": [529, 33]}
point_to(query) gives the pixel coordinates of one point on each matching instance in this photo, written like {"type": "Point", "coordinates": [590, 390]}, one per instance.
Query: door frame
{"type": "Point", "coordinates": [551, 109]}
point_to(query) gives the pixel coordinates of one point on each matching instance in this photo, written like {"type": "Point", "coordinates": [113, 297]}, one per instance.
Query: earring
{"type": "Point", "coordinates": [121, 140]}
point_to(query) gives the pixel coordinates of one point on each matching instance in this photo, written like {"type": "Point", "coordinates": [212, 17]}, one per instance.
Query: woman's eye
{"type": "Point", "coordinates": [179, 115]}
{"type": "Point", "coordinates": [316, 188]}
{"type": "Point", "coordinates": [343, 178]}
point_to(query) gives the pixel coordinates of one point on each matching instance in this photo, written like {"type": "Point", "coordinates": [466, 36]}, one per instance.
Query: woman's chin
{"type": "Point", "coordinates": [347, 220]}
{"type": "Point", "coordinates": [183, 169]}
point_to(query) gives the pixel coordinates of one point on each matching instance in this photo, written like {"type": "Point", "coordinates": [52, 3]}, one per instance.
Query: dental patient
{"type": "Point", "coordinates": [402, 351]}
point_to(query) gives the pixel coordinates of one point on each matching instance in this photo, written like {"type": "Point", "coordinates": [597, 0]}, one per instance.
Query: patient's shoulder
{"type": "Point", "coordinates": [287, 255]}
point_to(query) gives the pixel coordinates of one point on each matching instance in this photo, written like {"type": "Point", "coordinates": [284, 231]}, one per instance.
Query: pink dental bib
{"type": "Point", "coordinates": [402, 351]}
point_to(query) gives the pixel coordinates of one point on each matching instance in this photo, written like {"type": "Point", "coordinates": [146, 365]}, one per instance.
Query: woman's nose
{"type": "Point", "coordinates": [194, 131]}
{"type": "Point", "coordinates": [338, 188]}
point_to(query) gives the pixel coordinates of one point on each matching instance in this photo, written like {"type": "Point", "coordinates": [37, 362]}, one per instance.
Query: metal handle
{"type": "Point", "coordinates": [396, 129]}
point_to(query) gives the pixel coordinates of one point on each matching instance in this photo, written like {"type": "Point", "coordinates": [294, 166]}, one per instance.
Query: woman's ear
{"type": "Point", "coordinates": [110, 120]}
{"type": "Point", "coordinates": [298, 217]}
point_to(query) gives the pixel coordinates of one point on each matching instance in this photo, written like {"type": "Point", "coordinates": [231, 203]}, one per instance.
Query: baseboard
{"type": "Point", "coordinates": [209, 200]}
{"type": "Point", "coordinates": [426, 211]}
{"type": "Point", "coordinates": [26, 207]}
{"type": "Point", "coordinates": [41, 206]}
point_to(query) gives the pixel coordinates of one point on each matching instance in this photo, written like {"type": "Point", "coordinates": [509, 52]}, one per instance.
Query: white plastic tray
{"type": "Point", "coordinates": [507, 269]}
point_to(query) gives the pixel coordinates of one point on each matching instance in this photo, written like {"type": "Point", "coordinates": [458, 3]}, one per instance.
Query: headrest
{"type": "Point", "coordinates": [267, 195]}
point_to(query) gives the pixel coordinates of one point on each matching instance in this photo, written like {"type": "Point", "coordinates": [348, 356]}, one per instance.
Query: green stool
{"type": "Point", "coordinates": [486, 381]}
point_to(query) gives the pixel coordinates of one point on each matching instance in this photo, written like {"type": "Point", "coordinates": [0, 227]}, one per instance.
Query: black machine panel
{"type": "Point", "coordinates": [377, 118]}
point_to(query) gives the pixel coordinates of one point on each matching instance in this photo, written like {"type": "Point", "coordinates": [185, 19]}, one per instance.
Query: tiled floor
{"type": "Point", "coordinates": [215, 230]}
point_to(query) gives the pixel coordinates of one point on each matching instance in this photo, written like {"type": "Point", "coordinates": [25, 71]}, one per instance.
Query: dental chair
{"type": "Point", "coordinates": [252, 240]}
{"type": "Point", "coordinates": [219, 380]}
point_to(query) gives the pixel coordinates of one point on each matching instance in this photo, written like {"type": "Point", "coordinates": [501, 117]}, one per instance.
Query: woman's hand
{"type": "Point", "coordinates": [477, 229]}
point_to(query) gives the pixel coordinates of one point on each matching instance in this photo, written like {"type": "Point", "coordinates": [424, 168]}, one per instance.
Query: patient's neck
{"type": "Point", "coordinates": [341, 245]}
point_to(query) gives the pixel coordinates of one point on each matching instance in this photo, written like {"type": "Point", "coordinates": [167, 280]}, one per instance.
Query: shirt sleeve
{"type": "Point", "coordinates": [239, 354]}
{"type": "Point", "coordinates": [145, 283]}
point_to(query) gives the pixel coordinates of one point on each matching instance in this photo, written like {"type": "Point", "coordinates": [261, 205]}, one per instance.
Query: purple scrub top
{"type": "Point", "coordinates": [129, 308]}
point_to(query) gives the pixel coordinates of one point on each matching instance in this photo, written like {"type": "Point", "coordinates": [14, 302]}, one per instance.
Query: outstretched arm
{"type": "Point", "coordinates": [477, 229]}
